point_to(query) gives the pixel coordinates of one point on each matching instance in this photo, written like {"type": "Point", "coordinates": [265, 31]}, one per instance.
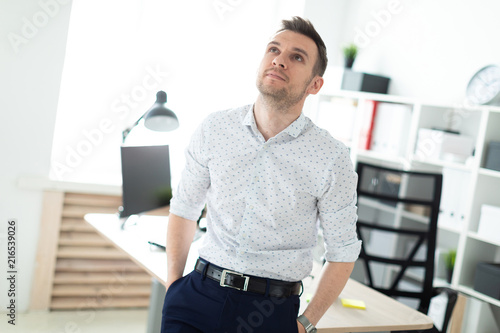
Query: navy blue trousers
{"type": "Point", "coordinates": [196, 303]}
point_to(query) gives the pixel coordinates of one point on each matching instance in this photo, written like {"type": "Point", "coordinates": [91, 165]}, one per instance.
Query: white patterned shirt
{"type": "Point", "coordinates": [266, 199]}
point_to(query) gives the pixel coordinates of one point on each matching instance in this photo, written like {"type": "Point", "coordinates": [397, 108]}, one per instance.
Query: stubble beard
{"type": "Point", "coordinates": [281, 98]}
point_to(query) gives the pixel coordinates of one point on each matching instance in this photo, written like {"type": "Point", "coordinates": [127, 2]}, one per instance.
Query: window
{"type": "Point", "coordinates": [203, 54]}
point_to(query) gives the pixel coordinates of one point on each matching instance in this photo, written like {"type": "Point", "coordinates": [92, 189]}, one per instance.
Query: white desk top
{"type": "Point", "coordinates": [382, 313]}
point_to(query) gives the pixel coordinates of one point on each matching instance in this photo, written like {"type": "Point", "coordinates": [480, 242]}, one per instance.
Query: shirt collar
{"type": "Point", "coordinates": [294, 129]}
{"type": "Point", "coordinates": [249, 120]}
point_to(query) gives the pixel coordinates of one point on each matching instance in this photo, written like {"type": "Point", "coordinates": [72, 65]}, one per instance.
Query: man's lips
{"type": "Point", "coordinates": [276, 75]}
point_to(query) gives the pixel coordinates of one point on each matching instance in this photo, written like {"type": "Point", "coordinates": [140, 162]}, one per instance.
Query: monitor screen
{"type": "Point", "coordinates": [145, 179]}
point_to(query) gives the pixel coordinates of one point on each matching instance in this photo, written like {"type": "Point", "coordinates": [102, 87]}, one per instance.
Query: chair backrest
{"type": "Point", "coordinates": [398, 212]}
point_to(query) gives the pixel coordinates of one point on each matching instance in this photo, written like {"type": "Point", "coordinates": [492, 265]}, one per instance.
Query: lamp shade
{"type": "Point", "coordinates": [158, 117]}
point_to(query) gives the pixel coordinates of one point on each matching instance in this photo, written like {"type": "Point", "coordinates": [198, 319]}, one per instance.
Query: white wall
{"type": "Point", "coordinates": [329, 18]}
{"type": "Point", "coordinates": [429, 49]}
{"type": "Point", "coordinates": [30, 74]}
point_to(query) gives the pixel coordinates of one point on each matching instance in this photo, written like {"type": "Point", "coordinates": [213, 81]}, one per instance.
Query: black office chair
{"type": "Point", "coordinates": [398, 212]}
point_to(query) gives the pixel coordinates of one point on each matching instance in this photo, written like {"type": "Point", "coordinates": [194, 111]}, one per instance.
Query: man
{"type": "Point", "coordinates": [267, 175]}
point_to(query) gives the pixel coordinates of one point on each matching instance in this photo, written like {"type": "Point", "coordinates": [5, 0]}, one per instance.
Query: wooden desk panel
{"type": "Point", "coordinates": [382, 313]}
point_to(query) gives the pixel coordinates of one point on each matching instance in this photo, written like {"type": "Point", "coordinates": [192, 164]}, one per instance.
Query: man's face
{"type": "Point", "coordinates": [286, 72]}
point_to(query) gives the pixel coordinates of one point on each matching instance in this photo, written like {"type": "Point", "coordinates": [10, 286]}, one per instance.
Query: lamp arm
{"type": "Point", "coordinates": [128, 129]}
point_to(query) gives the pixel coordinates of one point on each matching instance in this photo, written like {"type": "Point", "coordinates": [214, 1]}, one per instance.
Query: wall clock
{"type": "Point", "coordinates": [484, 86]}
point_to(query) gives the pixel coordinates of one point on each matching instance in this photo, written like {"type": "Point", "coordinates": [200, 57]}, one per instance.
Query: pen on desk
{"type": "Point", "coordinates": [158, 245]}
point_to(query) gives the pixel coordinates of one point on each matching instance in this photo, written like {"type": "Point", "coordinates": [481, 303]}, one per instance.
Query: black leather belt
{"type": "Point", "coordinates": [227, 278]}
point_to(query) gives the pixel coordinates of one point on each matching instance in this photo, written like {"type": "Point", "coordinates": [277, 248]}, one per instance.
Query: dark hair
{"type": "Point", "coordinates": [302, 26]}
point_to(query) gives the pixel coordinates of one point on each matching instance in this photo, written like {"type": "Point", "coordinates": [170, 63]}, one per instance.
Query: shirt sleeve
{"type": "Point", "coordinates": [190, 197]}
{"type": "Point", "coordinates": [338, 212]}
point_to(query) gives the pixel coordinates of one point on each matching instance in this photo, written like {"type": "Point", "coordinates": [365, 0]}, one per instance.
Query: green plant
{"type": "Point", "coordinates": [350, 51]}
{"type": "Point", "coordinates": [450, 259]}
{"type": "Point", "coordinates": [163, 195]}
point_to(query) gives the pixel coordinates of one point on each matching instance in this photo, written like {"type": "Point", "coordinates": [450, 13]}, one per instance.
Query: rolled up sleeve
{"type": "Point", "coordinates": [338, 212]}
{"type": "Point", "coordinates": [190, 196]}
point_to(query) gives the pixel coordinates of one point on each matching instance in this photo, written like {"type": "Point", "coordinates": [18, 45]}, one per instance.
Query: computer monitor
{"type": "Point", "coordinates": [145, 179]}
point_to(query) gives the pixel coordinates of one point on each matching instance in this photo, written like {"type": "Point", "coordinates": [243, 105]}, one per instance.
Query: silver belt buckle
{"type": "Point", "coordinates": [223, 280]}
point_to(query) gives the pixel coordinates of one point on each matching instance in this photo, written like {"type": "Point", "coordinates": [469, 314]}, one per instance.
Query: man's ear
{"type": "Point", "coordinates": [315, 85]}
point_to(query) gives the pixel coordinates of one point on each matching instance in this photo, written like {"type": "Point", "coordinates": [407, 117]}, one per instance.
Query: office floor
{"type": "Point", "coordinates": [105, 321]}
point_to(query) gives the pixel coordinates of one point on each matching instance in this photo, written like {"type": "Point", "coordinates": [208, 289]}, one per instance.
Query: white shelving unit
{"type": "Point", "coordinates": [480, 186]}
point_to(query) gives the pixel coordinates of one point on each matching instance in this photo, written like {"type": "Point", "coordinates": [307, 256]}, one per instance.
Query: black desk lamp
{"type": "Point", "coordinates": [157, 118]}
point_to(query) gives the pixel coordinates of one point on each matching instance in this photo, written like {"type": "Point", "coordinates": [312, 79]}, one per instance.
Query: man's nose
{"type": "Point", "coordinates": [279, 61]}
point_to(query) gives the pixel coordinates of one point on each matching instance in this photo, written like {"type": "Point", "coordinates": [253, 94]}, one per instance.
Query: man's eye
{"type": "Point", "coordinates": [298, 57]}
{"type": "Point", "coordinates": [273, 50]}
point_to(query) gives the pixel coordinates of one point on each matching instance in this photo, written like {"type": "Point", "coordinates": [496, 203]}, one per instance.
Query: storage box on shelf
{"type": "Point", "coordinates": [455, 197]}
{"type": "Point", "coordinates": [476, 251]}
{"type": "Point", "coordinates": [491, 135]}
{"type": "Point", "coordinates": [470, 184]}
{"type": "Point", "coordinates": [493, 156]}
{"type": "Point", "coordinates": [486, 192]}
{"type": "Point", "coordinates": [444, 144]}
{"type": "Point", "coordinates": [489, 223]}
{"type": "Point", "coordinates": [434, 145]}
{"type": "Point", "coordinates": [487, 279]}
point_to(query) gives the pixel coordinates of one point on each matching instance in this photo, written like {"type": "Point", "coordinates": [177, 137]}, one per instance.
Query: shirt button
{"type": "Point", "coordinates": [251, 207]}
{"type": "Point", "coordinates": [257, 178]}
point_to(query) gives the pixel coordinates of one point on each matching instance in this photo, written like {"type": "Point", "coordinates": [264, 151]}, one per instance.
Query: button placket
{"type": "Point", "coordinates": [254, 190]}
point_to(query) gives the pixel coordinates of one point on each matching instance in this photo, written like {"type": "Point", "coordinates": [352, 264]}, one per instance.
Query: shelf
{"type": "Point", "coordinates": [407, 100]}
{"type": "Point", "coordinates": [382, 157]}
{"type": "Point", "coordinates": [475, 236]}
{"type": "Point", "coordinates": [471, 292]}
{"type": "Point", "coordinates": [492, 108]}
{"type": "Point", "coordinates": [489, 172]}
{"type": "Point", "coordinates": [479, 185]}
{"type": "Point", "coordinates": [450, 228]}
{"type": "Point", "coordinates": [443, 164]}
{"type": "Point", "coordinates": [369, 96]}
{"type": "Point", "coordinates": [439, 282]}
{"type": "Point", "coordinates": [463, 105]}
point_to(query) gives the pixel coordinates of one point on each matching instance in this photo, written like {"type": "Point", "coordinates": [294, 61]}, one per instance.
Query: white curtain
{"type": "Point", "coordinates": [203, 53]}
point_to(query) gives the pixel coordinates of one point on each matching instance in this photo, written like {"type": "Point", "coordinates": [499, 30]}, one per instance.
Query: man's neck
{"type": "Point", "coordinates": [272, 119]}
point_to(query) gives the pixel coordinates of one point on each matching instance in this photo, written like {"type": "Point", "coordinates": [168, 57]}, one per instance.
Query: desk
{"type": "Point", "coordinates": [382, 313]}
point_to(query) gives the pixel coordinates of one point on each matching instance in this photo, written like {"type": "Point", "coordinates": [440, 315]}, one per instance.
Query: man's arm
{"type": "Point", "coordinates": [180, 234]}
{"type": "Point", "coordinates": [334, 276]}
